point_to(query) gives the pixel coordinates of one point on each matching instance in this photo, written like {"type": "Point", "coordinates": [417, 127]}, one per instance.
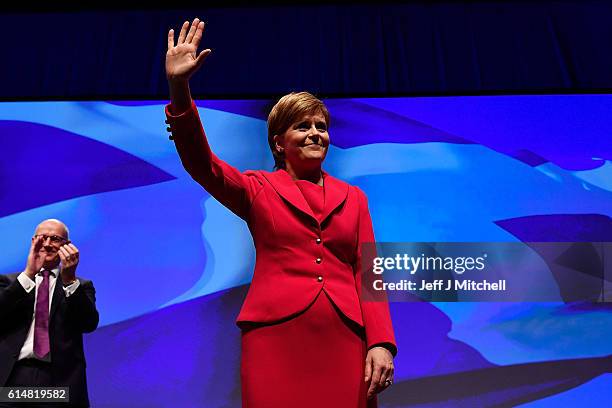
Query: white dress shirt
{"type": "Point", "coordinates": [27, 350]}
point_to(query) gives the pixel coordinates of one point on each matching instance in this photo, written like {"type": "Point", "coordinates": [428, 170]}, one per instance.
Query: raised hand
{"type": "Point", "coordinates": [69, 254]}
{"type": "Point", "coordinates": [182, 60]}
{"type": "Point", "coordinates": [36, 257]}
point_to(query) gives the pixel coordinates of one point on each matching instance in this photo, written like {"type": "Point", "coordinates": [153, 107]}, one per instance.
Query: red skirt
{"type": "Point", "coordinates": [315, 359]}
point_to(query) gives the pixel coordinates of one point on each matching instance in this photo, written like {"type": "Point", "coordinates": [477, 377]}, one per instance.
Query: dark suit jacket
{"type": "Point", "coordinates": [298, 255]}
{"type": "Point", "coordinates": [68, 320]}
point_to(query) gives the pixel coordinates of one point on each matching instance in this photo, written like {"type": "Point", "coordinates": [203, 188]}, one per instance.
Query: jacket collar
{"type": "Point", "coordinates": [335, 192]}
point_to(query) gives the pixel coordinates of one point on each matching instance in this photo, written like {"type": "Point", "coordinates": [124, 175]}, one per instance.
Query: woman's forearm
{"type": "Point", "coordinates": [180, 96]}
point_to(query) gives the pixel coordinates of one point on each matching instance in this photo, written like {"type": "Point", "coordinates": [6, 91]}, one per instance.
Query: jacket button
{"type": "Point", "coordinates": [318, 260]}
{"type": "Point", "coordinates": [318, 240]}
{"type": "Point", "coordinates": [320, 278]}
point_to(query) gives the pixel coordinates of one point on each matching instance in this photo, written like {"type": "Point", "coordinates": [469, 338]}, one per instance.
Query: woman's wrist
{"type": "Point", "coordinates": [387, 346]}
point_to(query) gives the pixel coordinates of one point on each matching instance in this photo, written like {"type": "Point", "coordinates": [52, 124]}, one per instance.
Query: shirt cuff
{"type": "Point", "coordinates": [27, 283]}
{"type": "Point", "coordinates": [70, 289]}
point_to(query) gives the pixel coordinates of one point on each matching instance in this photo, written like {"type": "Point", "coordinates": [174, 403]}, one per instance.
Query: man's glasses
{"type": "Point", "coordinates": [55, 239]}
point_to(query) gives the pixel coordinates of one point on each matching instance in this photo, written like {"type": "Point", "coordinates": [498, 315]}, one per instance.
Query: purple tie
{"type": "Point", "coordinates": [41, 316]}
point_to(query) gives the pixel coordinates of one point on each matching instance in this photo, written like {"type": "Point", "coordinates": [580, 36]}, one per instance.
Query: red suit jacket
{"type": "Point", "coordinates": [296, 255]}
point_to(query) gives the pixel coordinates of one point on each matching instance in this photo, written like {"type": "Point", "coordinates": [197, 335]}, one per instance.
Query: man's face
{"type": "Point", "coordinates": [54, 236]}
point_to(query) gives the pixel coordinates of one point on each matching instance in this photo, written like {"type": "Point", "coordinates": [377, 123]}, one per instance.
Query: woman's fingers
{"type": "Point", "coordinates": [190, 34]}
{"type": "Point", "coordinates": [386, 375]}
{"type": "Point", "coordinates": [197, 37]}
{"type": "Point", "coordinates": [202, 57]}
{"type": "Point", "coordinates": [192, 30]}
{"type": "Point", "coordinates": [183, 33]}
{"type": "Point", "coordinates": [376, 376]}
{"type": "Point", "coordinates": [182, 58]}
{"type": "Point", "coordinates": [170, 39]}
{"type": "Point", "coordinates": [382, 371]}
{"type": "Point", "coordinates": [368, 369]}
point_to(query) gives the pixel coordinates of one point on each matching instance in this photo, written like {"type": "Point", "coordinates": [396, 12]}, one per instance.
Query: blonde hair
{"type": "Point", "coordinates": [287, 111]}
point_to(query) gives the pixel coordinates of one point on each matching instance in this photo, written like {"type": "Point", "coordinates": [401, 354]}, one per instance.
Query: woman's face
{"type": "Point", "coordinates": [305, 142]}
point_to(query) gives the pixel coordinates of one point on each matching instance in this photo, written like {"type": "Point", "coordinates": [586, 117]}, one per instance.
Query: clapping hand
{"type": "Point", "coordinates": [69, 255]}
{"type": "Point", "coordinates": [36, 257]}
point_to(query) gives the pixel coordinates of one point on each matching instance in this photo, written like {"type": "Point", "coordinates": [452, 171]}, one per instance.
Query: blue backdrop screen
{"type": "Point", "coordinates": [171, 265]}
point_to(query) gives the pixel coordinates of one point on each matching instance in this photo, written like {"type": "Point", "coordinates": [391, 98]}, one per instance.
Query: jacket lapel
{"type": "Point", "coordinates": [335, 194]}
{"type": "Point", "coordinates": [58, 295]}
{"type": "Point", "coordinates": [286, 188]}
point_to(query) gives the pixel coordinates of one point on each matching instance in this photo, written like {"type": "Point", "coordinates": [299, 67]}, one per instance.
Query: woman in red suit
{"type": "Point", "coordinates": [309, 338]}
